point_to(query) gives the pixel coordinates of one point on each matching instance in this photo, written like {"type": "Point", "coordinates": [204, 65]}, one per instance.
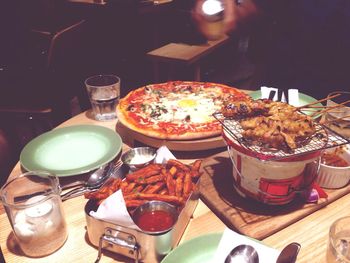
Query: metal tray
{"type": "Point", "coordinates": [135, 244]}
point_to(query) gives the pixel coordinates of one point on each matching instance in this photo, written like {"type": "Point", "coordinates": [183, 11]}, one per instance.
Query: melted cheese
{"type": "Point", "coordinates": [181, 107]}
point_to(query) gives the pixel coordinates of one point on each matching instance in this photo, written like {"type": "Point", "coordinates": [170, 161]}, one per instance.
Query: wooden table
{"type": "Point", "coordinates": [184, 54]}
{"type": "Point", "coordinates": [311, 232]}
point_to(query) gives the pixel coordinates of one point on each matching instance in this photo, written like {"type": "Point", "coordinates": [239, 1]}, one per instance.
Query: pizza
{"type": "Point", "coordinates": [176, 110]}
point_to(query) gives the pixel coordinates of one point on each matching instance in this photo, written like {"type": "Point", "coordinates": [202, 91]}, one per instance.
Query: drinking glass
{"type": "Point", "coordinates": [338, 250]}
{"type": "Point", "coordinates": [33, 205]}
{"type": "Point", "coordinates": [338, 116]}
{"type": "Point", "coordinates": [104, 94]}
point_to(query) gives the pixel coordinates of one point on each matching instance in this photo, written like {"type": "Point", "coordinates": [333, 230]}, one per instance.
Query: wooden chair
{"type": "Point", "coordinates": [36, 98]}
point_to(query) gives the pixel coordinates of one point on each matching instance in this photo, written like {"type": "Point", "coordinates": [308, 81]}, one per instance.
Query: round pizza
{"type": "Point", "coordinates": [176, 110]}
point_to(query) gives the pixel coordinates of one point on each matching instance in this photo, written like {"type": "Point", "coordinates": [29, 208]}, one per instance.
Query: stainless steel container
{"type": "Point", "coordinates": [133, 243]}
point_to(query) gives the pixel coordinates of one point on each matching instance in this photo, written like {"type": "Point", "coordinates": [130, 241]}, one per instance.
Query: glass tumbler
{"type": "Point", "coordinates": [33, 205]}
{"type": "Point", "coordinates": [104, 94]}
{"type": "Point", "coordinates": [338, 118]}
{"type": "Point", "coordinates": [338, 250]}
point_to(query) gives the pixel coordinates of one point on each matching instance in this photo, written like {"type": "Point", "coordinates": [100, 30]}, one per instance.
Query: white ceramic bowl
{"type": "Point", "coordinates": [335, 177]}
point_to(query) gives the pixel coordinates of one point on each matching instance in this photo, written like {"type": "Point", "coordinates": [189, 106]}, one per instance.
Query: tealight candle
{"type": "Point", "coordinates": [39, 210]}
{"type": "Point", "coordinates": [37, 220]}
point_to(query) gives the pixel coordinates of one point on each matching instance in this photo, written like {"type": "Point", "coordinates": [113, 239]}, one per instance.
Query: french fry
{"type": "Point", "coordinates": [138, 189]}
{"type": "Point", "coordinates": [151, 180]}
{"type": "Point", "coordinates": [165, 198]}
{"type": "Point", "coordinates": [170, 184]}
{"type": "Point", "coordinates": [134, 203]}
{"type": "Point", "coordinates": [196, 165]}
{"type": "Point", "coordinates": [187, 184]}
{"type": "Point", "coordinates": [180, 174]}
{"type": "Point", "coordinates": [145, 172]}
{"type": "Point", "coordinates": [154, 188]}
{"type": "Point", "coordinates": [124, 186]}
{"type": "Point", "coordinates": [178, 164]}
{"type": "Point", "coordinates": [179, 186]}
{"type": "Point", "coordinates": [173, 170]}
{"type": "Point", "coordinates": [164, 191]}
{"type": "Point", "coordinates": [130, 187]}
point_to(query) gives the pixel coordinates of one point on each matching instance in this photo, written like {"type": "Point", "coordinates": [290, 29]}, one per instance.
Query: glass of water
{"type": "Point", "coordinates": [104, 94]}
{"type": "Point", "coordinates": [339, 241]}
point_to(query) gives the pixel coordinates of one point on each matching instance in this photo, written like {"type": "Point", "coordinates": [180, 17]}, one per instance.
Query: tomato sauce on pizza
{"type": "Point", "coordinates": [176, 110]}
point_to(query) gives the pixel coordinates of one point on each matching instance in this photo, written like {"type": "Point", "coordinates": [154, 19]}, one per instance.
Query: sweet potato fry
{"type": "Point", "coordinates": [187, 184]}
{"type": "Point", "coordinates": [138, 189]}
{"type": "Point", "coordinates": [170, 184]}
{"type": "Point", "coordinates": [152, 189]}
{"type": "Point", "coordinates": [164, 191]}
{"type": "Point", "coordinates": [151, 180]}
{"type": "Point", "coordinates": [180, 174]}
{"type": "Point", "coordinates": [130, 187]}
{"type": "Point", "coordinates": [124, 186]}
{"type": "Point", "coordinates": [166, 198]}
{"type": "Point", "coordinates": [145, 172]}
{"type": "Point", "coordinates": [134, 203]}
{"type": "Point", "coordinates": [196, 165]}
{"type": "Point", "coordinates": [179, 186]}
{"type": "Point", "coordinates": [173, 170]}
{"type": "Point", "coordinates": [178, 164]}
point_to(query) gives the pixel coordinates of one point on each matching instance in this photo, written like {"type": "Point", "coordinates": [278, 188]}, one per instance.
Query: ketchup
{"type": "Point", "coordinates": [154, 221]}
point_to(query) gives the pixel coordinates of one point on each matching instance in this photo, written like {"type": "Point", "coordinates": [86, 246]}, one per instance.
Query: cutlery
{"type": "Point", "coordinates": [289, 253]}
{"type": "Point", "coordinates": [95, 181]}
{"type": "Point", "coordinates": [243, 253]}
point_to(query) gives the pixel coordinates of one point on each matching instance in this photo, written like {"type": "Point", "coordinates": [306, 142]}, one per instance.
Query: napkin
{"type": "Point", "coordinates": [231, 239]}
{"type": "Point", "coordinates": [113, 208]}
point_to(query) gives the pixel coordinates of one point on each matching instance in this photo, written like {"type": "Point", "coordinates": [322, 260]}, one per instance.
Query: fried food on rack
{"type": "Point", "coordinates": [270, 123]}
{"type": "Point", "coordinates": [275, 132]}
{"type": "Point", "coordinates": [243, 107]}
{"type": "Point", "coordinates": [172, 182]}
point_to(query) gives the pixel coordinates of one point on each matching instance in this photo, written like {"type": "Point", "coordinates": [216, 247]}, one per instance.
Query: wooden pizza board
{"type": "Point", "coordinates": [132, 138]}
{"type": "Point", "coordinates": [246, 215]}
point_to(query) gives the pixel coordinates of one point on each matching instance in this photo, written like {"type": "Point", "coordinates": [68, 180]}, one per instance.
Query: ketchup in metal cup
{"type": "Point", "coordinates": [155, 217]}
{"type": "Point", "coordinates": [154, 221]}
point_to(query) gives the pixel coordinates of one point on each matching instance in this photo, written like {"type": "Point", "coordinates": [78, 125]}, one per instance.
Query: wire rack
{"type": "Point", "coordinates": [323, 138]}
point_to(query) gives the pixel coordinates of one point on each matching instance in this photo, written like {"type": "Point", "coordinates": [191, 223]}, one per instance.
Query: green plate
{"type": "Point", "coordinates": [303, 99]}
{"type": "Point", "coordinates": [198, 250]}
{"type": "Point", "coordinates": [72, 150]}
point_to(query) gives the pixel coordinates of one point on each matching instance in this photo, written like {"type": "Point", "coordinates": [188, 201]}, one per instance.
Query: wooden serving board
{"type": "Point", "coordinates": [133, 138]}
{"type": "Point", "coordinates": [245, 215]}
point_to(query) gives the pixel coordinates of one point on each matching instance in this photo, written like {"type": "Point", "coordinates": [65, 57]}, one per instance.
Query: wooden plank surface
{"type": "Point", "coordinates": [245, 215]}
{"type": "Point", "coordinates": [132, 138]}
{"type": "Point", "coordinates": [185, 53]}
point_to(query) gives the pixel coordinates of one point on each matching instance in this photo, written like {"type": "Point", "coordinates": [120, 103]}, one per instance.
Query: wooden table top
{"type": "Point", "coordinates": [311, 232]}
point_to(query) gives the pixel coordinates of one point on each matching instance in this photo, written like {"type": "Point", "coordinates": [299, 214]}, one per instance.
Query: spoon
{"type": "Point", "coordinates": [289, 253]}
{"type": "Point", "coordinates": [244, 254]}
{"type": "Point", "coordinates": [96, 179]}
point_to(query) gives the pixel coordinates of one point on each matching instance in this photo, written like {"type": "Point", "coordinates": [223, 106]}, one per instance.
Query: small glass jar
{"type": "Point", "coordinates": [33, 205]}
{"type": "Point", "coordinates": [338, 249]}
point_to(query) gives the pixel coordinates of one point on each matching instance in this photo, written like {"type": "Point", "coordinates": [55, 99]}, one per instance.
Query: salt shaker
{"type": "Point", "coordinates": [212, 22]}
{"type": "Point", "coordinates": [33, 205]}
